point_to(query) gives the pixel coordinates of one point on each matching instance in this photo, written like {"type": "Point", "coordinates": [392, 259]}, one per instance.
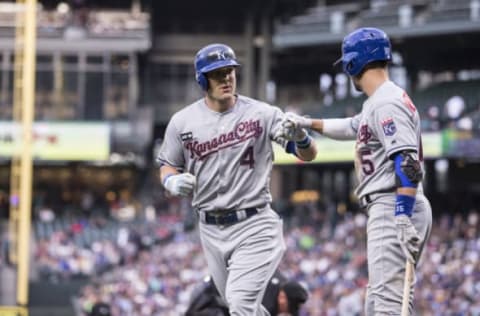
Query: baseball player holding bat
{"type": "Point", "coordinates": [220, 150]}
{"type": "Point", "coordinates": [389, 166]}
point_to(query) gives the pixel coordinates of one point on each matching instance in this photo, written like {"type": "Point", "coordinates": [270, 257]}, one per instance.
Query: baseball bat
{"type": "Point", "coordinates": [406, 288]}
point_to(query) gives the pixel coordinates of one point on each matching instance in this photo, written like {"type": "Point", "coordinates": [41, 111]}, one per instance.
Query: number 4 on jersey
{"type": "Point", "coordinates": [247, 158]}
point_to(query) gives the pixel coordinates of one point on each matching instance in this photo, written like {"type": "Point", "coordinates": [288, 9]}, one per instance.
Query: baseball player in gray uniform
{"type": "Point", "coordinates": [389, 166]}
{"type": "Point", "coordinates": [220, 150]}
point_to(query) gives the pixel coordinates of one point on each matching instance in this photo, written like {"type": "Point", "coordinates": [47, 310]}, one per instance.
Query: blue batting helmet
{"type": "Point", "coordinates": [364, 46]}
{"type": "Point", "coordinates": [212, 57]}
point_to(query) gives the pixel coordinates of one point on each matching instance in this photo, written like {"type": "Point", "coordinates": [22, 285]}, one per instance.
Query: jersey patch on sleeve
{"type": "Point", "coordinates": [186, 136]}
{"type": "Point", "coordinates": [389, 128]}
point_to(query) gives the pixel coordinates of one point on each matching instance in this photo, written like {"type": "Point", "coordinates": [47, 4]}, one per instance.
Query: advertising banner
{"type": "Point", "coordinates": [53, 141]}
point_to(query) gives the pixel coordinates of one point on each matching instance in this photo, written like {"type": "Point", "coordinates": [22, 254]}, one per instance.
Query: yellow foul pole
{"type": "Point", "coordinates": [25, 196]}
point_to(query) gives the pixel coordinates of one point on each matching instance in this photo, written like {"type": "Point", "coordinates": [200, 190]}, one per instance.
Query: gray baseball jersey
{"type": "Point", "coordinates": [388, 123]}
{"type": "Point", "coordinates": [230, 153]}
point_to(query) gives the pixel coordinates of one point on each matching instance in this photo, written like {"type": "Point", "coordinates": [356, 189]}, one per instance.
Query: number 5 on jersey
{"type": "Point", "coordinates": [367, 164]}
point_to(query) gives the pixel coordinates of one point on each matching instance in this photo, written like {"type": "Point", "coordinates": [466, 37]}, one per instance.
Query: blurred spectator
{"type": "Point", "coordinates": [87, 201]}
{"type": "Point", "coordinates": [351, 301]}
{"type": "Point", "coordinates": [100, 309]}
{"type": "Point", "coordinates": [454, 107]}
{"type": "Point", "coordinates": [94, 304]}
{"type": "Point", "coordinates": [465, 123]}
{"type": "Point", "coordinates": [46, 214]}
{"type": "Point", "coordinates": [431, 122]}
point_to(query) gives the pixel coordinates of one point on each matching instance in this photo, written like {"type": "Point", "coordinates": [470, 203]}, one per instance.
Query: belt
{"type": "Point", "coordinates": [227, 217]}
{"type": "Point", "coordinates": [369, 198]}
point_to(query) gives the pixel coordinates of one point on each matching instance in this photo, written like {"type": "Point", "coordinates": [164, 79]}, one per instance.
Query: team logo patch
{"type": "Point", "coordinates": [186, 136]}
{"type": "Point", "coordinates": [389, 127]}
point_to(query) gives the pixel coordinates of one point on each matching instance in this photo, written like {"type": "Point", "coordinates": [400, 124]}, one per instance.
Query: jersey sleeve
{"type": "Point", "coordinates": [355, 123]}
{"type": "Point", "coordinates": [171, 152]}
{"type": "Point", "coordinates": [274, 121]}
{"type": "Point", "coordinates": [395, 129]}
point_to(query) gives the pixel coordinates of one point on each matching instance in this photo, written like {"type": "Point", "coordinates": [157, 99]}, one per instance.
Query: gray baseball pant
{"type": "Point", "coordinates": [386, 261]}
{"type": "Point", "coordinates": [242, 258]}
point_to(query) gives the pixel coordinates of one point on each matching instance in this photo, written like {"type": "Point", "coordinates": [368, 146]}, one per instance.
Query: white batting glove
{"type": "Point", "coordinates": [408, 237]}
{"type": "Point", "coordinates": [291, 132]}
{"type": "Point", "coordinates": [181, 184]}
{"type": "Point", "coordinates": [298, 121]}
{"type": "Point", "coordinates": [293, 127]}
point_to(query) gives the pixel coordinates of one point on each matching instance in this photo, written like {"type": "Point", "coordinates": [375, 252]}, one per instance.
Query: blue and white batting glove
{"type": "Point", "coordinates": [408, 237]}
{"type": "Point", "coordinates": [293, 128]}
{"type": "Point", "coordinates": [181, 184]}
{"type": "Point", "coordinates": [290, 132]}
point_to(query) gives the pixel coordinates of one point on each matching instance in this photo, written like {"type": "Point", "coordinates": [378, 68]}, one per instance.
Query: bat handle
{"type": "Point", "coordinates": [406, 288]}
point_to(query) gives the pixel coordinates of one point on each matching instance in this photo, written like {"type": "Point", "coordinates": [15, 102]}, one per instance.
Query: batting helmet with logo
{"type": "Point", "coordinates": [363, 46]}
{"type": "Point", "coordinates": [212, 57]}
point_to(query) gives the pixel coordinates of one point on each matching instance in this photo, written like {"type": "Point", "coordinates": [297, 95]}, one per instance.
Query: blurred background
{"type": "Point", "coordinates": [109, 75]}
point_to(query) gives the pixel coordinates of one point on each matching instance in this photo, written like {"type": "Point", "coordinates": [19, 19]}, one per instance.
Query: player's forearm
{"type": "Point", "coordinates": [166, 170]}
{"type": "Point", "coordinates": [408, 174]}
{"type": "Point", "coordinates": [309, 153]}
{"type": "Point", "coordinates": [317, 125]}
{"type": "Point", "coordinates": [339, 129]}
{"type": "Point", "coordinates": [407, 191]}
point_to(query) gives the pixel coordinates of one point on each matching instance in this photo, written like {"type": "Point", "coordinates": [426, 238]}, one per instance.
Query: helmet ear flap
{"type": "Point", "coordinates": [202, 80]}
{"type": "Point", "coordinates": [349, 66]}
{"type": "Point", "coordinates": [350, 63]}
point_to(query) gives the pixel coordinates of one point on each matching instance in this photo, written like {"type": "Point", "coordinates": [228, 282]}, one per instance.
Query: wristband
{"type": "Point", "coordinates": [290, 148]}
{"type": "Point", "coordinates": [304, 143]}
{"type": "Point", "coordinates": [404, 205]}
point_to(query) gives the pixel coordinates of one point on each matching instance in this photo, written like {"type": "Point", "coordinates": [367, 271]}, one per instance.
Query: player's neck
{"type": "Point", "coordinates": [220, 105]}
{"type": "Point", "coordinates": [372, 79]}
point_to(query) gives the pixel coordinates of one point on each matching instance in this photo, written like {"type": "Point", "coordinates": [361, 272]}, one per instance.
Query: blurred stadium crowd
{"type": "Point", "coordinates": [151, 266]}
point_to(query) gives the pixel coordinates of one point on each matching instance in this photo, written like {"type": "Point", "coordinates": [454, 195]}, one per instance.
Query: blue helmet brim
{"type": "Point", "coordinates": [219, 64]}
{"type": "Point", "coordinates": [345, 58]}
{"type": "Point", "coordinates": [338, 61]}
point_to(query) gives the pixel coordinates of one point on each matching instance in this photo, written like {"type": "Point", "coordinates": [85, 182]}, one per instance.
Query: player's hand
{"type": "Point", "coordinates": [408, 237]}
{"type": "Point", "coordinates": [298, 121]}
{"type": "Point", "coordinates": [290, 132]}
{"type": "Point", "coordinates": [181, 184]}
{"type": "Point", "coordinates": [293, 127]}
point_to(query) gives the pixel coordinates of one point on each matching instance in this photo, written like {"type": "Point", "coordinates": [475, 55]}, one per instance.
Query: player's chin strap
{"type": "Point", "coordinates": [408, 174]}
